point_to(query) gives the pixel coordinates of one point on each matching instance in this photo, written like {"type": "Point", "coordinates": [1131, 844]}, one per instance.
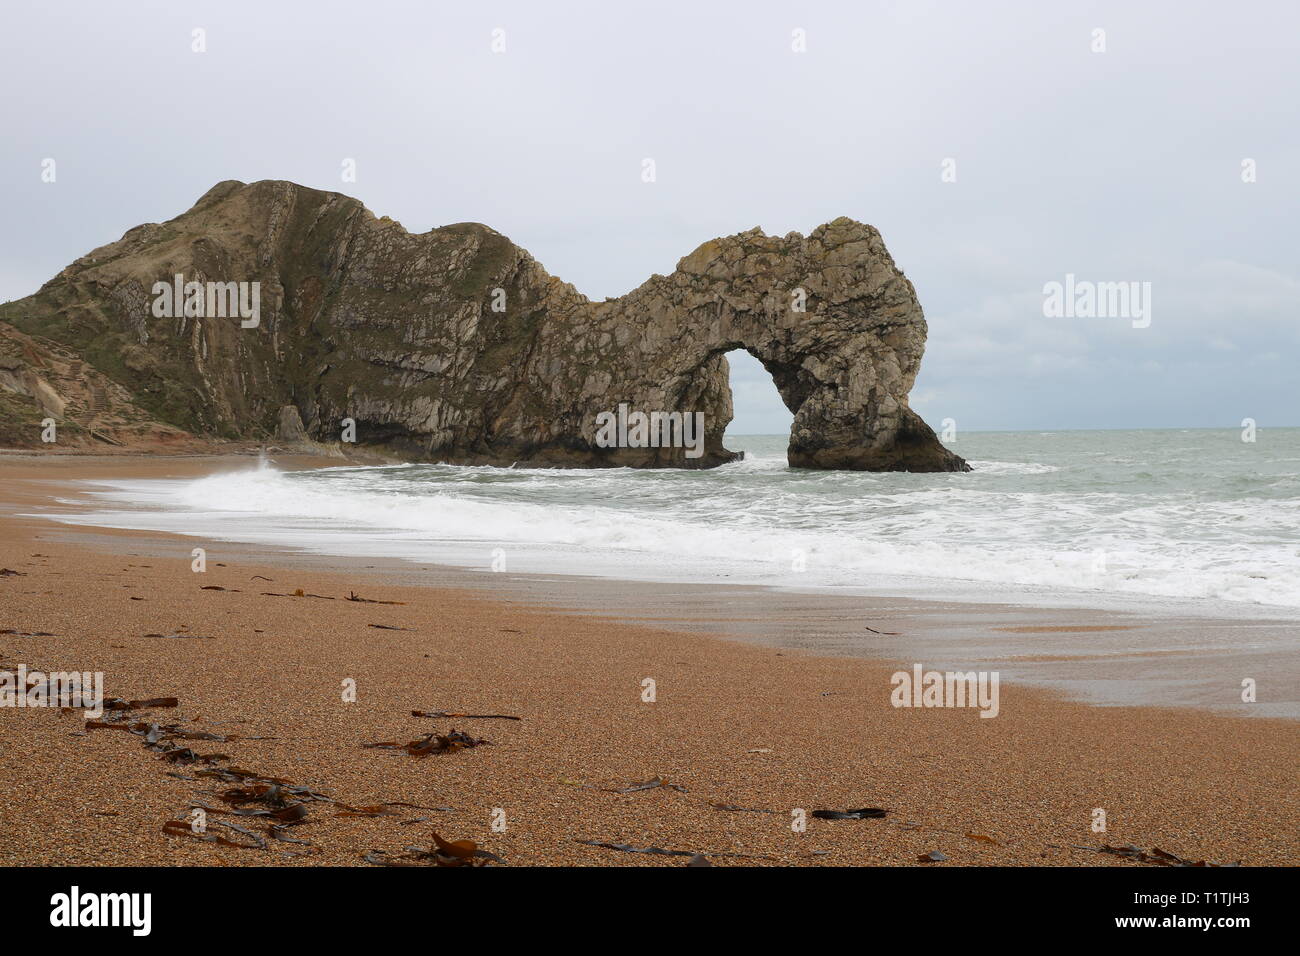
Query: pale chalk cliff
{"type": "Point", "coordinates": [456, 345]}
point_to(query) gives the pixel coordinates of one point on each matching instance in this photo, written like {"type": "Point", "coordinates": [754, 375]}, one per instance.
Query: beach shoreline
{"type": "Point", "coordinates": [1130, 651]}
{"type": "Point", "coordinates": [756, 722]}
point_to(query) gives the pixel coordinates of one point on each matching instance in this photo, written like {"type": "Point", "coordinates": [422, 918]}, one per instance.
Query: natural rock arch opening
{"type": "Point", "coordinates": [758, 407]}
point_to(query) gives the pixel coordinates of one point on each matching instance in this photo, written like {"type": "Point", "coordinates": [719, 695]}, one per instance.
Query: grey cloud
{"type": "Point", "coordinates": [1120, 165]}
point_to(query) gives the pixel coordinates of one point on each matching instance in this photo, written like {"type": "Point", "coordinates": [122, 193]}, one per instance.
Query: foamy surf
{"type": "Point", "coordinates": [1080, 516]}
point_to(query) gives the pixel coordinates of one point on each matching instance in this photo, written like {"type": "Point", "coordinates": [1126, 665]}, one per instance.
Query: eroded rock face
{"type": "Point", "coordinates": [41, 382]}
{"type": "Point", "coordinates": [289, 428]}
{"type": "Point", "coordinates": [456, 345]}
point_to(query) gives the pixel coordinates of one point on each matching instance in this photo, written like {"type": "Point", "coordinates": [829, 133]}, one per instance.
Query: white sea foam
{"type": "Point", "coordinates": [1013, 467]}
{"type": "Point", "coordinates": [1096, 522]}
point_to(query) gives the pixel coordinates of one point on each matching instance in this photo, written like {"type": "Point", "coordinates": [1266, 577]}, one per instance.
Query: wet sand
{"type": "Point", "coordinates": [754, 723]}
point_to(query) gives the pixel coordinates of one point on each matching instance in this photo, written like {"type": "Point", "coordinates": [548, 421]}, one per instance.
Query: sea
{"type": "Point", "coordinates": [1190, 521]}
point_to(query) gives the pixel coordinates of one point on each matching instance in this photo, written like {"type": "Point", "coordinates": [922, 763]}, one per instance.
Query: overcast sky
{"type": "Point", "coordinates": [1122, 165]}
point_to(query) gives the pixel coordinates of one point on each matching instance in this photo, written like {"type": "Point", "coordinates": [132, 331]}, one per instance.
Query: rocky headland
{"type": "Point", "coordinates": [300, 316]}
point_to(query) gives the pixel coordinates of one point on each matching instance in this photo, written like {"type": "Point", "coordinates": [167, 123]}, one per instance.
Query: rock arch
{"type": "Point", "coordinates": [843, 365]}
{"type": "Point", "coordinates": [456, 345]}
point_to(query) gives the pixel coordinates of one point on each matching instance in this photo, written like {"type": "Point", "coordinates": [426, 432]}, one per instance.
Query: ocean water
{"type": "Point", "coordinates": [1187, 520]}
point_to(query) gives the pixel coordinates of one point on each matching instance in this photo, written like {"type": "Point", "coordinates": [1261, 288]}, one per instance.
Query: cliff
{"type": "Point", "coordinates": [456, 345]}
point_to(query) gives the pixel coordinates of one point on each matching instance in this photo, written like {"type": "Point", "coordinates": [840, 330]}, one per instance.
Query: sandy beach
{"type": "Point", "coordinates": [261, 646]}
